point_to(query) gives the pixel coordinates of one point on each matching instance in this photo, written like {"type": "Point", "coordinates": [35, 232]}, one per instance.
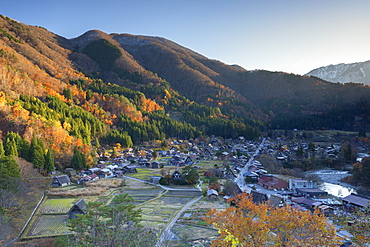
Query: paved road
{"type": "Point", "coordinates": [240, 178]}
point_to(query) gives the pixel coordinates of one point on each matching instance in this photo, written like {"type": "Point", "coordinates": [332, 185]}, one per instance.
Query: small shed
{"type": "Point", "coordinates": [61, 180]}
{"type": "Point", "coordinates": [78, 208]}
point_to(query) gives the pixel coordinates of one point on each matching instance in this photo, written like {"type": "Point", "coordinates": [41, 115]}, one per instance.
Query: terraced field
{"type": "Point", "coordinates": [46, 225]}
{"type": "Point", "coordinates": [57, 206]}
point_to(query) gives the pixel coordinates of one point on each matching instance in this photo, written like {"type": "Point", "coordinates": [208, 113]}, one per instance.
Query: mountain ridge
{"type": "Point", "coordinates": [344, 73]}
{"type": "Point", "coordinates": [163, 70]}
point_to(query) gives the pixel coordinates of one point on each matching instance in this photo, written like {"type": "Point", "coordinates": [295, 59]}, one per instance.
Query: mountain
{"type": "Point", "coordinates": [123, 88]}
{"type": "Point", "coordinates": [344, 73]}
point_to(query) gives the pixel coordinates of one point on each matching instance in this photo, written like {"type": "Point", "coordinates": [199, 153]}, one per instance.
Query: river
{"type": "Point", "coordinates": [332, 184]}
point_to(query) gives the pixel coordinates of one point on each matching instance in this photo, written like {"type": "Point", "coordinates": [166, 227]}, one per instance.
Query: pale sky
{"type": "Point", "coordinates": [293, 36]}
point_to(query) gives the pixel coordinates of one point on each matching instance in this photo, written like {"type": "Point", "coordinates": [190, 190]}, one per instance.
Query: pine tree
{"type": "Point", "coordinates": [78, 161]}
{"type": "Point", "coordinates": [9, 167]}
{"type": "Point", "coordinates": [67, 93]}
{"type": "Point", "coordinates": [49, 161]}
{"type": "Point", "coordinates": [37, 153]}
{"type": "Point", "coordinates": [2, 151]}
{"type": "Point", "coordinates": [11, 147]}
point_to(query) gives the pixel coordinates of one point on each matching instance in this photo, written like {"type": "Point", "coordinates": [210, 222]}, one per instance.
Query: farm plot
{"type": "Point", "coordinates": [192, 233]}
{"type": "Point", "coordinates": [143, 198]}
{"type": "Point", "coordinates": [154, 192]}
{"type": "Point", "coordinates": [48, 225]}
{"type": "Point", "coordinates": [145, 173]}
{"type": "Point", "coordinates": [183, 193]}
{"type": "Point", "coordinates": [57, 206]}
{"type": "Point", "coordinates": [174, 200]}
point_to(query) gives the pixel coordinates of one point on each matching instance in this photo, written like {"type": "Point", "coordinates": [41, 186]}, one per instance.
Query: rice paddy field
{"type": "Point", "coordinates": [48, 225]}
{"type": "Point", "coordinates": [158, 207]}
{"type": "Point", "coordinates": [57, 206]}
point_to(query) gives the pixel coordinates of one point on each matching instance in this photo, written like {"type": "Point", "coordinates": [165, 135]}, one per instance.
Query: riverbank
{"type": "Point", "coordinates": [332, 176]}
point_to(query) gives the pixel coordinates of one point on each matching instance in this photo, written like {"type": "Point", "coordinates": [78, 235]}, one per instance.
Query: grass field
{"type": "Point", "coordinates": [145, 173]}
{"type": "Point", "coordinates": [57, 206]}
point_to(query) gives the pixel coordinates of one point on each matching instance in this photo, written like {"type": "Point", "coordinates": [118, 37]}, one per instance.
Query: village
{"type": "Point", "coordinates": [179, 185]}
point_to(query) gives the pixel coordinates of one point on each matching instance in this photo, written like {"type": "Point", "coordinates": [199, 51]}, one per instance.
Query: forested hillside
{"type": "Point", "coordinates": [75, 95]}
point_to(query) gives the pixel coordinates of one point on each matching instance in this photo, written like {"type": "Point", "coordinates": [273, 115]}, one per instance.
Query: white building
{"type": "Point", "coordinates": [301, 184]}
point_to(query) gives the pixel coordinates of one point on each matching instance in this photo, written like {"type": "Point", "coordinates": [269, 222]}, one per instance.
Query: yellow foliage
{"type": "Point", "coordinates": [249, 224]}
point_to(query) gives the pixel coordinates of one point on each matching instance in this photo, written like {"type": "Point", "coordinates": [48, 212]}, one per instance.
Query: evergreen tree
{"type": "Point", "coordinates": [89, 94]}
{"type": "Point", "coordinates": [9, 167]}
{"type": "Point", "coordinates": [10, 147]}
{"type": "Point", "coordinates": [67, 93]}
{"type": "Point", "coordinates": [78, 161]}
{"type": "Point", "coordinates": [299, 152]}
{"type": "Point", "coordinates": [347, 152]}
{"type": "Point", "coordinates": [2, 151]}
{"type": "Point", "coordinates": [97, 143]}
{"type": "Point", "coordinates": [37, 153]}
{"type": "Point", "coordinates": [190, 175]}
{"type": "Point", "coordinates": [49, 161]}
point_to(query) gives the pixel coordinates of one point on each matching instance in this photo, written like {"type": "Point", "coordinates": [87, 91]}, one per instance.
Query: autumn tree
{"type": "Point", "coordinates": [248, 224]}
{"type": "Point", "coordinates": [361, 172]}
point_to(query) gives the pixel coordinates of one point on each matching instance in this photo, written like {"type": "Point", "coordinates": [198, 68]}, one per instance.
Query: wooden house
{"type": "Point", "coordinates": [188, 161]}
{"type": "Point", "coordinates": [212, 195]}
{"type": "Point", "coordinates": [155, 165]}
{"type": "Point", "coordinates": [61, 180]}
{"type": "Point", "coordinates": [258, 197]}
{"type": "Point", "coordinates": [78, 208]}
{"type": "Point", "coordinates": [176, 175]}
{"type": "Point", "coordinates": [276, 201]}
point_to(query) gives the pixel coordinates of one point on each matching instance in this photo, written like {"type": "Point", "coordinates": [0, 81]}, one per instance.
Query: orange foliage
{"type": "Point", "coordinates": [150, 106]}
{"type": "Point", "coordinates": [249, 224]}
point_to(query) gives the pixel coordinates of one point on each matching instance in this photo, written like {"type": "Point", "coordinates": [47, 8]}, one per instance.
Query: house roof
{"type": "Point", "coordinates": [306, 201]}
{"type": "Point", "coordinates": [62, 179]}
{"type": "Point", "coordinates": [275, 183]}
{"type": "Point", "coordinates": [250, 174]}
{"type": "Point", "coordinates": [80, 205]}
{"type": "Point", "coordinates": [311, 191]}
{"type": "Point", "coordinates": [275, 200]}
{"type": "Point", "coordinates": [357, 200]}
{"type": "Point", "coordinates": [258, 197]}
{"type": "Point", "coordinates": [212, 192]}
